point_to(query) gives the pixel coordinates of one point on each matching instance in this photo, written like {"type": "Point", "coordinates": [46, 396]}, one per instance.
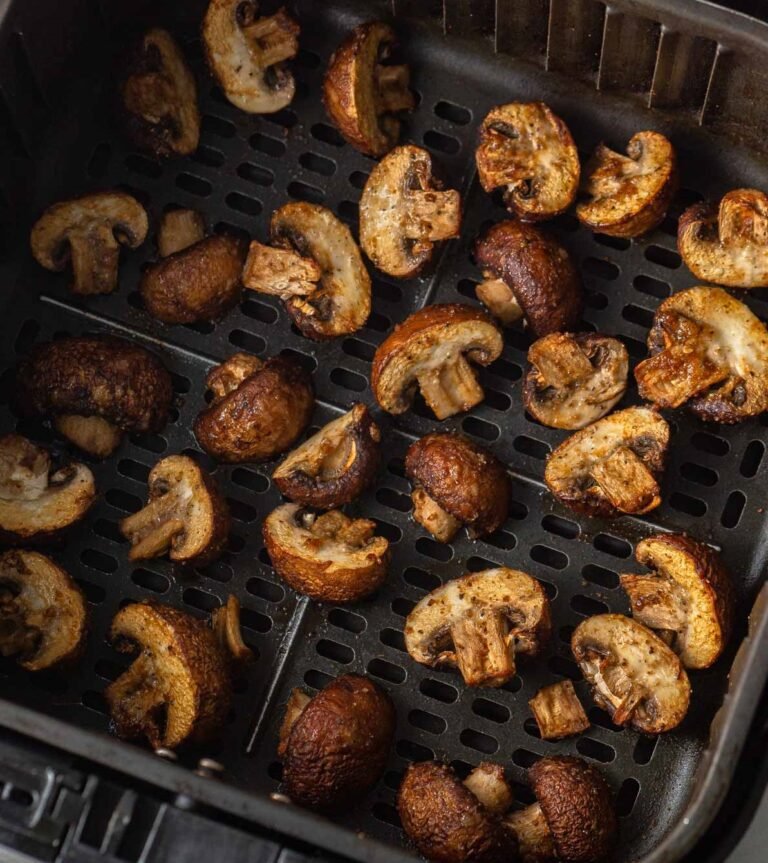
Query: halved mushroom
{"type": "Point", "coordinates": [334, 746]}
{"type": "Point", "coordinates": [87, 233]}
{"type": "Point", "coordinates": [404, 213]}
{"type": "Point", "coordinates": [727, 243]}
{"type": "Point", "coordinates": [335, 465]}
{"type": "Point", "coordinates": [315, 267]}
{"type": "Point", "coordinates": [159, 96]}
{"type": "Point", "coordinates": [574, 379]}
{"type": "Point", "coordinates": [456, 482]}
{"type": "Point", "coordinates": [225, 623]}
{"type": "Point", "coordinates": [687, 598]}
{"type": "Point", "coordinates": [629, 195]}
{"type": "Point", "coordinates": [634, 676]}
{"type": "Point", "coordinates": [363, 94]}
{"type": "Point", "coordinates": [179, 229]}
{"type": "Point", "coordinates": [186, 516]}
{"type": "Point", "coordinates": [328, 557]}
{"type": "Point", "coordinates": [259, 408]}
{"type": "Point", "coordinates": [613, 466]}
{"type": "Point", "coordinates": [43, 615]}
{"type": "Point", "coordinates": [479, 623]}
{"type": "Point", "coordinates": [527, 149]}
{"type": "Point", "coordinates": [558, 711]}
{"type": "Point", "coordinates": [247, 54]}
{"type": "Point", "coordinates": [709, 352]}
{"type": "Point", "coordinates": [431, 350]}
{"type": "Point", "coordinates": [528, 275]}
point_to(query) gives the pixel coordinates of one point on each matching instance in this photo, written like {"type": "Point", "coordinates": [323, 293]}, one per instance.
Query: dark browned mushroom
{"type": "Point", "coordinates": [558, 711]}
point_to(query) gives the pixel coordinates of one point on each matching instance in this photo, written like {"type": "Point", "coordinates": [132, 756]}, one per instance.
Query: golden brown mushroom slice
{"type": "Point", "coordinates": [179, 229]}
{"type": "Point", "coordinates": [634, 676]}
{"type": "Point", "coordinates": [480, 623]}
{"type": "Point", "coordinates": [558, 711]}
{"type": "Point", "coordinates": [363, 94]}
{"type": "Point", "coordinates": [628, 196]}
{"type": "Point", "coordinates": [613, 466]}
{"type": "Point", "coordinates": [687, 598]}
{"type": "Point", "coordinates": [432, 351]}
{"type": "Point", "coordinates": [727, 243]}
{"type": "Point", "coordinates": [527, 150]}
{"type": "Point", "coordinates": [43, 615]}
{"type": "Point", "coordinates": [247, 54]}
{"type": "Point", "coordinates": [574, 379]}
{"type": "Point", "coordinates": [87, 233]}
{"type": "Point", "coordinates": [225, 623]}
{"type": "Point", "coordinates": [405, 214]}
{"type": "Point", "coordinates": [159, 96]}
{"type": "Point", "coordinates": [709, 352]}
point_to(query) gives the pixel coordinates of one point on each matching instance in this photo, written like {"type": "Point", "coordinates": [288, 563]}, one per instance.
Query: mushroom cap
{"type": "Point", "coordinates": [538, 271]}
{"type": "Point", "coordinates": [446, 822]}
{"type": "Point", "coordinates": [613, 465]}
{"type": "Point", "coordinates": [627, 663]}
{"type": "Point", "coordinates": [259, 411]}
{"type": "Point", "coordinates": [727, 243]}
{"type": "Point", "coordinates": [335, 465]}
{"type": "Point", "coordinates": [629, 195]}
{"type": "Point", "coordinates": [528, 150]}
{"type": "Point", "coordinates": [464, 479]}
{"type": "Point", "coordinates": [337, 748]}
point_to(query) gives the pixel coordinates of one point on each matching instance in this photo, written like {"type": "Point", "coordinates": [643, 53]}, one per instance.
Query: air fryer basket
{"type": "Point", "coordinates": [57, 139]}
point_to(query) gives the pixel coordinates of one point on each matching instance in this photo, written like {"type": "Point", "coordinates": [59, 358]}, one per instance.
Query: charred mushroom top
{"type": "Point", "coordinates": [179, 229]}
{"type": "Point", "coordinates": [558, 711]}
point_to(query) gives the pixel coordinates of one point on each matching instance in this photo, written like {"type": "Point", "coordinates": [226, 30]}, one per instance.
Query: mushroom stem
{"type": "Point", "coordinates": [450, 388]}
{"type": "Point", "coordinates": [24, 469]}
{"type": "Point", "coordinates": [17, 637]}
{"type": "Point", "coordinates": [137, 699]}
{"type": "Point", "coordinates": [94, 255]}
{"type": "Point", "coordinates": [297, 701]}
{"type": "Point", "coordinates": [179, 229]}
{"type": "Point", "coordinates": [157, 541]}
{"type": "Point", "coordinates": [280, 272]}
{"type": "Point", "coordinates": [225, 622]}
{"type": "Point", "coordinates": [678, 373]}
{"type": "Point", "coordinates": [432, 517]}
{"type": "Point", "coordinates": [392, 90]}
{"type": "Point", "coordinates": [533, 833]}
{"type": "Point", "coordinates": [483, 649]}
{"type": "Point", "coordinates": [93, 434]}
{"type": "Point", "coordinates": [615, 688]}
{"type": "Point", "coordinates": [498, 297]}
{"type": "Point", "coordinates": [431, 215]}
{"type": "Point", "coordinates": [657, 602]}
{"type": "Point", "coordinates": [226, 378]}
{"type": "Point", "coordinates": [153, 528]}
{"type": "Point", "coordinates": [560, 364]}
{"type": "Point", "coordinates": [742, 219]}
{"type": "Point", "coordinates": [626, 481]}
{"type": "Point", "coordinates": [488, 784]}
{"type": "Point", "coordinates": [273, 38]}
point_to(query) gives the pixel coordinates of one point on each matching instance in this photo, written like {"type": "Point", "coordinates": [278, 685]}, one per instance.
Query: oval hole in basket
{"type": "Point", "coordinates": [250, 479]}
{"type": "Point", "coordinates": [753, 456]}
{"type": "Point", "coordinates": [560, 526]}
{"type": "Point", "coordinates": [644, 749]}
{"type": "Point", "coordinates": [200, 599]}
{"type": "Point", "coordinates": [98, 560]}
{"type": "Point", "coordinates": [524, 758]}
{"type": "Point", "coordinates": [426, 581]}
{"type": "Point", "coordinates": [652, 287]}
{"type": "Point", "coordinates": [347, 620]}
{"type": "Point", "coordinates": [699, 474]}
{"type": "Point", "coordinates": [427, 721]}
{"type": "Point", "coordinates": [402, 606]}
{"type": "Point", "coordinates": [413, 751]}
{"type": "Point", "coordinates": [393, 499]}
{"type": "Point", "coordinates": [481, 428]}
{"type": "Point", "coordinates": [265, 590]}
{"type": "Point", "coordinates": [687, 504]}
{"type": "Point", "coordinates": [733, 509]}
{"type": "Point", "coordinates": [386, 812]}
{"type": "Point", "coordinates": [349, 380]}
{"type": "Point", "coordinates": [438, 690]}
{"type": "Point", "coordinates": [435, 550]}
{"type": "Point", "coordinates": [149, 580]}
{"type": "Point", "coordinates": [317, 679]}
{"type": "Point", "coordinates": [452, 112]}
{"type": "Point", "coordinates": [490, 710]}
{"type": "Point", "coordinates": [386, 670]}
{"type": "Point", "coordinates": [595, 749]}
{"type": "Point", "coordinates": [550, 557]}
{"type": "Point", "coordinates": [587, 605]}
{"type": "Point", "coordinates": [528, 446]}
{"type": "Point", "coordinates": [564, 667]}
{"type": "Point", "coordinates": [442, 143]}
{"type": "Point", "coordinates": [612, 545]}
{"type": "Point", "coordinates": [710, 443]}
{"type": "Point", "coordinates": [663, 257]}
{"type": "Point", "coordinates": [600, 576]}
{"type": "Point", "coordinates": [625, 799]}
{"type": "Point", "coordinates": [334, 651]}
{"type": "Point", "coordinates": [392, 638]}
{"type": "Point", "coordinates": [478, 741]}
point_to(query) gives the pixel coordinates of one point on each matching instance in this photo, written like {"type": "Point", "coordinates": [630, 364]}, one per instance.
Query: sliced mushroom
{"type": "Point", "coordinates": [634, 676]}
{"type": "Point", "coordinates": [363, 94]}
{"type": "Point", "coordinates": [613, 466]}
{"type": "Point", "coordinates": [528, 275]}
{"type": "Point", "coordinates": [335, 465]}
{"type": "Point", "coordinates": [186, 517]}
{"type": "Point", "coordinates": [574, 379]}
{"type": "Point", "coordinates": [259, 408]}
{"type": "Point", "coordinates": [708, 351]}
{"type": "Point", "coordinates": [629, 195]}
{"type": "Point", "coordinates": [558, 711]}
{"type": "Point", "coordinates": [179, 229]}
{"type": "Point", "coordinates": [315, 267]}
{"type": "Point", "coordinates": [334, 746]}
{"type": "Point", "coordinates": [432, 350]}
{"type": "Point", "coordinates": [456, 483]}
{"type": "Point", "coordinates": [528, 151]}
{"type": "Point", "coordinates": [87, 233]}
{"type": "Point", "coordinates": [687, 598]}
{"type": "Point", "coordinates": [43, 615]}
{"type": "Point", "coordinates": [160, 97]}
{"type": "Point", "coordinates": [727, 243]}
{"type": "Point", "coordinates": [225, 622]}
{"type": "Point", "coordinates": [247, 54]}
{"type": "Point", "coordinates": [479, 623]}
{"type": "Point", "coordinates": [404, 213]}
{"type": "Point", "coordinates": [328, 557]}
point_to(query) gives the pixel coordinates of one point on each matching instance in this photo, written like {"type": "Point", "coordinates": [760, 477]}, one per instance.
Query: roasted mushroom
{"type": "Point", "coordinates": [480, 623]}
{"type": "Point", "coordinates": [259, 408]}
{"type": "Point", "coordinates": [727, 243]}
{"type": "Point", "coordinates": [432, 350]}
{"type": "Point", "coordinates": [179, 229]}
{"type": "Point", "coordinates": [574, 379]}
{"type": "Point", "coordinates": [634, 676]}
{"type": "Point", "coordinates": [87, 233]}
{"type": "Point", "coordinates": [456, 482]}
{"type": "Point", "coordinates": [528, 275]}
{"type": "Point", "coordinates": [246, 54]}
{"type": "Point", "coordinates": [528, 151]}
{"type": "Point", "coordinates": [43, 616]}
{"type": "Point", "coordinates": [708, 351]}
{"type": "Point", "coordinates": [629, 195]}
{"type": "Point", "coordinates": [159, 97]}
{"type": "Point", "coordinates": [225, 623]}
{"type": "Point", "coordinates": [613, 466]}
{"type": "Point", "coordinates": [404, 213]}
{"type": "Point", "coordinates": [315, 267]}
{"type": "Point", "coordinates": [687, 598]}
{"type": "Point", "coordinates": [335, 465]}
{"type": "Point", "coordinates": [95, 388]}
{"type": "Point", "coordinates": [334, 746]}
{"type": "Point", "coordinates": [363, 94]}
{"type": "Point", "coordinates": [558, 711]}
{"type": "Point", "coordinates": [186, 517]}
